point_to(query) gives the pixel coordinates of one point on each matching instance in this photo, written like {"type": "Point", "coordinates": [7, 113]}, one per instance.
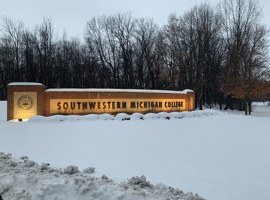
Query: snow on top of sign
{"type": "Point", "coordinates": [119, 90]}
{"type": "Point", "coordinates": [24, 83]}
{"type": "Point", "coordinates": [188, 90]}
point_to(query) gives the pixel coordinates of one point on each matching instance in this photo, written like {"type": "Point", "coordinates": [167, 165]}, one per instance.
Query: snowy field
{"type": "Point", "coordinates": [218, 155]}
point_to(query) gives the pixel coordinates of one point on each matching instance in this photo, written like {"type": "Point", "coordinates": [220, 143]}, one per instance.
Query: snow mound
{"type": "Point", "coordinates": [124, 116]}
{"type": "Point", "coordinates": [136, 116]}
{"type": "Point", "coordinates": [139, 181]}
{"type": "Point", "coordinates": [71, 169]}
{"type": "Point", "coordinates": [21, 180]}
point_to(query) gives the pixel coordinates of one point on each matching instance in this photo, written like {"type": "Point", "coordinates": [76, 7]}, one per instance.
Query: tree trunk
{"type": "Point", "coordinates": [249, 107]}
{"type": "Point", "coordinates": [246, 106]}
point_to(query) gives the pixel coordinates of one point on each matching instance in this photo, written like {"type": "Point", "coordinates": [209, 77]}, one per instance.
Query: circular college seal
{"type": "Point", "coordinates": [25, 102]}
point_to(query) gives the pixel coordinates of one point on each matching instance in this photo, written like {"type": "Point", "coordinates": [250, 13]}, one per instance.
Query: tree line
{"type": "Point", "coordinates": [221, 53]}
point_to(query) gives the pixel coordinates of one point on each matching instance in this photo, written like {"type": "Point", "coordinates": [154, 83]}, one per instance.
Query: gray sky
{"type": "Point", "coordinates": [72, 15]}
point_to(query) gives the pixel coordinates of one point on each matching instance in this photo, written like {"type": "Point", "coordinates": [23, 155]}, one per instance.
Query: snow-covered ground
{"type": "Point", "coordinates": [219, 155]}
{"type": "Point", "coordinates": [3, 111]}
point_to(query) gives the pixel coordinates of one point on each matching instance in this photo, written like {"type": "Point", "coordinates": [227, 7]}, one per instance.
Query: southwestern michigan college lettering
{"type": "Point", "coordinates": [29, 99]}
{"type": "Point", "coordinates": [127, 105]}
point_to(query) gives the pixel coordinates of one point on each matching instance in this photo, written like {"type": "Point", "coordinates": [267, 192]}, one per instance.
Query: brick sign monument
{"type": "Point", "coordinates": [29, 99]}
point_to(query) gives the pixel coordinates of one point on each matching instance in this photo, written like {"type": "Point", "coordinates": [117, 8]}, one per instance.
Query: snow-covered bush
{"type": "Point", "coordinates": [136, 116]}
{"type": "Point", "coordinates": [91, 117]}
{"type": "Point", "coordinates": [106, 117]}
{"type": "Point", "coordinates": [176, 115]}
{"type": "Point", "coordinates": [151, 116]}
{"type": "Point", "coordinates": [164, 115]}
{"type": "Point", "coordinates": [122, 116]}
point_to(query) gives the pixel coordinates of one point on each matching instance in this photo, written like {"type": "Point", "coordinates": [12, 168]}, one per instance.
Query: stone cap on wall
{"type": "Point", "coordinates": [118, 90]}
{"type": "Point", "coordinates": [25, 84]}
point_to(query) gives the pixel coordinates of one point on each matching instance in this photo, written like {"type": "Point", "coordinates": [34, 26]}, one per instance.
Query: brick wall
{"type": "Point", "coordinates": [189, 98]}
{"type": "Point", "coordinates": [45, 97]}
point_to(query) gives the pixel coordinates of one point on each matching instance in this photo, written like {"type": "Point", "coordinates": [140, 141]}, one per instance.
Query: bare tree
{"type": "Point", "coordinates": [145, 34]}
{"type": "Point", "coordinates": [124, 27]}
{"type": "Point", "coordinates": [195, 42]}
{"type": "Point", "coordinates": [12, 39]}
{"type": "Point", "coordinates": [45, 47]}
{"type": "Point", "coordinates": [30, 61]}
{"type": "Point", "coordinates": [246, 51]}
{"type": "Point", "coordinates": [99, 38]}
{"type": "Point", "coordinates": [112, 40]}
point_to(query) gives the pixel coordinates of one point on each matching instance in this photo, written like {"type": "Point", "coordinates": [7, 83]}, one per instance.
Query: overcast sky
{"type": "Point", "coordinates": [72, 15]}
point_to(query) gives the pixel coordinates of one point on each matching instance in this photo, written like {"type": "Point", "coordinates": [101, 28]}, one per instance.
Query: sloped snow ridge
{"type": "Point", "coordinates": [26, 180]}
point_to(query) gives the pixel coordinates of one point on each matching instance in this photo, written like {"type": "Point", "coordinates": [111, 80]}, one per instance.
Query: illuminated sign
{"type": "Point", "coordinates": [70, 106]}
{"type": "Point", "coordinates": [25, 105]}
{"type": "Point", "coordinates": [29, 99]}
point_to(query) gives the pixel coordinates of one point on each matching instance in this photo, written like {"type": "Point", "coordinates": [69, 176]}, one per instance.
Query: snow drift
{"type": "Point", "coordinates": [27, 180]}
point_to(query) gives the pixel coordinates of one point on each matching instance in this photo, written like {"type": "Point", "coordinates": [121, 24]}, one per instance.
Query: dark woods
{"type": "Point", "coordinates": [220, 53]}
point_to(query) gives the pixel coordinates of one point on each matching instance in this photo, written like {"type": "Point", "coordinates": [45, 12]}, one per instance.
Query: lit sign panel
{"type": "Point", "coordinates": [83, 106]}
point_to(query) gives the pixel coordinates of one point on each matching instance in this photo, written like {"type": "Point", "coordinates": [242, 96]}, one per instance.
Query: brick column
{"type": "Point", "coordinates": [191, 101]}
{"type": "Point", "coordinates": [24, 100]}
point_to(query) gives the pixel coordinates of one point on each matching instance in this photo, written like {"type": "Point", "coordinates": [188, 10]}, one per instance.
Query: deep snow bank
{"type": "Point", "coordinates": [27, 180]}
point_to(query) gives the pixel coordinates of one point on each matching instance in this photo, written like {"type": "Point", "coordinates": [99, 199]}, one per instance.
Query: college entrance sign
{"type": "Point", "coordinates": [28, 99]}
